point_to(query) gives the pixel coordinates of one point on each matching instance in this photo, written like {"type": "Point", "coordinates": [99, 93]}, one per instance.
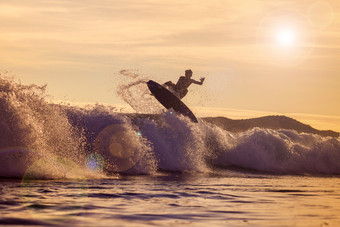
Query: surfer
{"type": "Point", "coordinates": [181, 87]}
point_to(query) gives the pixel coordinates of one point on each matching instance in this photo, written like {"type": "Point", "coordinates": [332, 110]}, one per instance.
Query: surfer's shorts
{"type": "Point", "coordinates": [182, 93]}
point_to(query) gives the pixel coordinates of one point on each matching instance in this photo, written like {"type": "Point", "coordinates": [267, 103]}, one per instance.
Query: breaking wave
{"type": "Point", "coordinates": [39, 139]}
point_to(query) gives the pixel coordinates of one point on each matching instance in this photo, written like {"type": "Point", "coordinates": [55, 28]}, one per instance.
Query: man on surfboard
{"type": "Point", "coordinates": [181, 87]}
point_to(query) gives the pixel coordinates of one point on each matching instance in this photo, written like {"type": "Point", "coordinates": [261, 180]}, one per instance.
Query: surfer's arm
{"type": "Point", "coordinates": [198, 82]}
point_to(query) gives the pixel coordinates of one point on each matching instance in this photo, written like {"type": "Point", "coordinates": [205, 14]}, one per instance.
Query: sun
{"type": "Point", "coordinates": [285, 37]}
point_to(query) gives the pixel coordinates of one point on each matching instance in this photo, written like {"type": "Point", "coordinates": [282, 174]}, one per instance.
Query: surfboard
{"type": "Point", "coordinates": [169, 100]}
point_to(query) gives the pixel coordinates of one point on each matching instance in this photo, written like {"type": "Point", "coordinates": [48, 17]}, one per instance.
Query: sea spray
{"type": "Point", "coordinates": [34, 133]}
{"type": "Point", "coordinates": [177, 144]}
{"type": "Point", "coordinates": [134, 91]}
{"type": "Point", "coordinates": [282, 152]}
{"type": "Point", "coordinates": [50, 141]}
{"type": "Point", "coordinates": [183, 146]}
{"type": "Point", "coordinates": [114, 143]}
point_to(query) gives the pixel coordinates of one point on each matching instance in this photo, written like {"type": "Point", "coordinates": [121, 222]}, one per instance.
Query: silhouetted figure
{"type": "Point", "coordinates": [181, 87]}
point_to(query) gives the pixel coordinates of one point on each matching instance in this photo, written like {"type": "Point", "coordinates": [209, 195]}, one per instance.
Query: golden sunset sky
{"type": "Point", "coordinates": [269, 56]}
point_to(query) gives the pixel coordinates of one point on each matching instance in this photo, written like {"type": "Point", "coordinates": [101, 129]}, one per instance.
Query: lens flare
{"type": "Point", "coordinates": [54, 167]}
{"type": "Point", "coordinates": [119, 146]}
{"type": "Point", "coordinates": [95, 162]}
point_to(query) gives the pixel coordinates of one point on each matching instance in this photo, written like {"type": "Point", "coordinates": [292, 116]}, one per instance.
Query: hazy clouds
{"type": "Point", "coordinates": [84, 42]}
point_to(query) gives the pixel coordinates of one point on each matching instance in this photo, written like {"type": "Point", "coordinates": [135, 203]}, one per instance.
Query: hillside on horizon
{"type": "Point", "coordinates": [270, 122]}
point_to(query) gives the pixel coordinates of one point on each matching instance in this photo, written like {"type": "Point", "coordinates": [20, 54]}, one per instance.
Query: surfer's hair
{"type": "Point", "coordinates": [188, 71]}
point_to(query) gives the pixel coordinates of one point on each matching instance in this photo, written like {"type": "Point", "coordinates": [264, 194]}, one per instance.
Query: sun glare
{"type": "Point", "coordinates": [286, 37]}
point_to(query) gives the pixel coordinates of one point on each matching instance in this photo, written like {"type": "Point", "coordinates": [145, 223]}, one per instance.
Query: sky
{"type": "Point", "coordinates": [277, 56]}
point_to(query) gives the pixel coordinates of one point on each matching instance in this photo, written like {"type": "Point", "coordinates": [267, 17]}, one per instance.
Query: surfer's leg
{"type": "Point", "coordinates": [183, 93]}
{"type": "Point", "coordinates": [170, 84]}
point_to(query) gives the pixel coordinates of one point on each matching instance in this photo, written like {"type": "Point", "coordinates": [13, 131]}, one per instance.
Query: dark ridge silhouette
{"type": "Point", "coordinates": [270, 122]}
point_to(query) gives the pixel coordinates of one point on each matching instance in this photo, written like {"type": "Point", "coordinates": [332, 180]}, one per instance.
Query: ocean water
{"type": "Point", "coordinates": [226, 198]}
{"type": "Point", "coordinates": [94, 166]}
